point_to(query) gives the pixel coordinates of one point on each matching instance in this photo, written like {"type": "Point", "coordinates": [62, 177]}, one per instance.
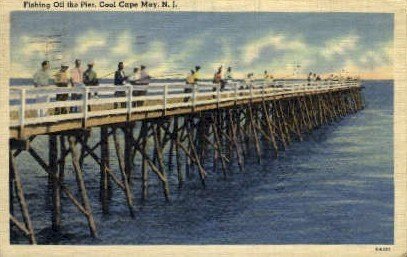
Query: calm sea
{"type": "Point", "coordinates": [336, 187]}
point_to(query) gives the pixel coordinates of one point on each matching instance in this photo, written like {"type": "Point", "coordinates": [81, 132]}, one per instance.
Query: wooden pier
{"type": "Point", "coordinates": [147, 121]}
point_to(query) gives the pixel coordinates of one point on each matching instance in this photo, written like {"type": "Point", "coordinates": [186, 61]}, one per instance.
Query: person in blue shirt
{"type": "Point", "coordinates": [120, 79]}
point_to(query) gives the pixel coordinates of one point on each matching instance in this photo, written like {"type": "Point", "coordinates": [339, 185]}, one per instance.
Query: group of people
{"type": "Point", "coordinates": [75, 78]}
{"type": "Point", "coordinates": [138, 77]}
{"type": "Point", "coordinates": [313, 77]}
{"type": "Point", "coordinates": [78, 77]}
{"type": "Point", "coordinates": [332, 77]}
{"type": "Point", "coordinates": [221, 79]}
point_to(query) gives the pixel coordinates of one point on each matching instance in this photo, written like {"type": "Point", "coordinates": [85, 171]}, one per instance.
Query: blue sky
{"type": "Point", "coordinates": [170, 43]}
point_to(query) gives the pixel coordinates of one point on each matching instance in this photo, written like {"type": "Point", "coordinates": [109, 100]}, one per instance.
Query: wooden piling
{"type": "Point", "coordinates": [27, 227]}
{"type": "Point", "coordinates": [270, 128]}
{"type": "Point", "coordinates": [254, 131]}
{"type": "Point", "coordinates": [158, 149]}
{"type": "Point", "coordinates": [233, 128]}
{"type": "Point", "coordinates": [144, 169]}
{"type": "Point", "coordinates": [81, 185]}
{"type": "Point", "coordinates": [175, 138]}
{"type": "Point", "coordinates": [128, 149]}
{"type": "Point", "coordinates": [125, 181]}
{"type": "Point", "coordinates": [105, 184]}
{"type": "Point", "coordinates": [56, 190]}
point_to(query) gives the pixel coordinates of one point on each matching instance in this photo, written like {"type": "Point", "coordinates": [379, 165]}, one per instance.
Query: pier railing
{"type": "Point", "coordinates": [30, 105]}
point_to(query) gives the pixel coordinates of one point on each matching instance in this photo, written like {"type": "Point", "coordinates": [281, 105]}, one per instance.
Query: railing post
{"type": "Point", "coordinates": [251, 91]}
{"type": "Point", "coordinates": [22, 111]}
{"type": "Point", "coordinates": [236, 87]}
{"type": "Point", "coordinates": [129, 101]}
{"type": "Point", "coordinates": [262, 91]}
{"type": "Point", "coordinates": [165, 98]}
{"type": "Point", "coordinates": [194, 96]}
{"type": "Point", "coordinates": [218, 94]}
{"type": "Point", "coordinates": [85, 105]}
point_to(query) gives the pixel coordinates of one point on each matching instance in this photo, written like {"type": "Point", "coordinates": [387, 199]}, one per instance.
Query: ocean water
{"type": "Point", "coordinates": [336, 187]}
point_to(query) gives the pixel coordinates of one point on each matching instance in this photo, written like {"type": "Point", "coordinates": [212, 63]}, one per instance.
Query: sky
{"type": "Point", "coordinates": [171, 44]}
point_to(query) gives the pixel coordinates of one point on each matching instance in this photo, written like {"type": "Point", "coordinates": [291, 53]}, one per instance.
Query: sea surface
{"type": "Point", "coordinates": [335, 187]}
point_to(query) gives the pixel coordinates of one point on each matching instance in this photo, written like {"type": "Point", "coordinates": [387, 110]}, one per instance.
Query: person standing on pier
{"type": "Point", "coordinates": [197, 74]}
{"type": "Point", "coordinates": [190, 82]}
{"type": "Point", "coordinates": [217, 79]}
{"type": "Point", "coordinates": [144, 76]}
{"type": "Point", "coordinates": [248, 80]}
{"type": "Point", "coordinates": [42, 79]}
{"type": "Point", "coordinates": [76, 81]}
{"type": "Point", "coordinates": [62, 80]}
{"type": "Point", "coordinates": [134, 79]}
{"type": "Point", "coordinates": [268, 78]}
{"type": "Point", "coordinates": [228, 75]}
{"type": "Point", "coordinates": [309, 78]}
{"type": "Point", "coordinates": [90, 78]}
{"type": "Point", "coordinates": [120, 79]}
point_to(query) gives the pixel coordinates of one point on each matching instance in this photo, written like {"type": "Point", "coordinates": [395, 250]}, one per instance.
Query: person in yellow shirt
{"type": "Point", "coordinates": [197, 75]}
{"type": "Point", "coordinates": [190, 81]}
{"type": "Point", "coordinates": [268, 79]}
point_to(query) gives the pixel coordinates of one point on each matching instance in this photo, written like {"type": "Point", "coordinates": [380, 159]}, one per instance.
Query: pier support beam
{"type": "Point", "coordinates": [125, 181]}
{"type": "Point", "coordinates": [105, 183]}
{"type": "Point", "coordinates": [56, 190]}
{"type": "Point", "coordinates": [25, 227]}
{"type": "Point", "coordinates": [81, 185]}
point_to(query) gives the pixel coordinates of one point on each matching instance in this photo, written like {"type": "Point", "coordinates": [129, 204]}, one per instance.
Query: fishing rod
{"type": "Point", "coordinates": [169, 75]}
{"type": "Point", "coordinates": [108, 74]}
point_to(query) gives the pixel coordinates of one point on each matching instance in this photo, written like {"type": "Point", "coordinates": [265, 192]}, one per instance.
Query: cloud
{"type": "Point", "coordinates": [154, 58]}
{"type": "Point", "coordinates": [190, 49]}
{"type": "Point", "coordinates": [370, 63]}
{"type": "Point", "coordinates": [32, 46]}
{"type": "Point", "coordinates": [226, 56]}
{"type": "Point", "coordinates": [88, 40]}
{"type": "Point", "coordinates": [252, 50]}
{"type": "Point", "coordinates": [339, 46]}
{"type": "Point", "coordinates": [124, 44]}
{"type": "Point", "coordinates": [276, 53]}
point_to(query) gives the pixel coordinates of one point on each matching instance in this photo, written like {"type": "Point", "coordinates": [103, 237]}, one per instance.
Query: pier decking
{"type": "Point", "coordinates": [204, 122]}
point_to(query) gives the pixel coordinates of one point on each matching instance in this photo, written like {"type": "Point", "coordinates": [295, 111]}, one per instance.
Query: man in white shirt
{"type": "Point", "coordinates": [76, 81]}
{"type": "Point", "coordinates": [135, 77]}
{"type": "Point", "coordinates": [144, 77]}
{"type": "Point", "coordinates": [42, 79]}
